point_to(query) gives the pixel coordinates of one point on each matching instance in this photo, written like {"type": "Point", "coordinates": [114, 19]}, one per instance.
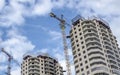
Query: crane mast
{"type": "Point", "coordinates": [9, 61]}
{"type": "Point", "coordinates": [62, 27]}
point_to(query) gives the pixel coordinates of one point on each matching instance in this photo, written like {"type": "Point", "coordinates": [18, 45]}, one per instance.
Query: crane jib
{"type": "Point", "coordinates": [62, 26]}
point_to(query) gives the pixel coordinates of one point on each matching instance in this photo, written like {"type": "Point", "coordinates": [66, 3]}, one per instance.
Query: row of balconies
{"type": "Point", "coordinates": [33, 59]}
{"type": "Point", "coordinates": [110, 52]}
{"type": "Point", "coordinates": [88, 26]}
{"type": "Point", "coordinates": [89, 34]}
{"type": "Point", "coordinates": [111, 56]}
{"type": "Point", "coordinates": [106, 39]}
{"type": "Point", "coordinates": [114, 66]}
{"type": "Point", "coordinates": [30, 59]}
{"type": "Point", "coordinates": [33, 62]}
{"type": "Point", "coordinates": [96, 58]}
{"type": "Point", "coordinates": [88, 22]}
{"type": "Point", "coordinates": [33, 66]}
{"type": "Point", "coordinates": [104, 34]}
{"type": "Point", "coordinates": [92, 43]}
{"type": "Point", "coordinates": [108, 47]}
{"type": "Point", "coordinates": [111, 61]}
{"type": "Point", "coordinates": [96, 63]}
{"type": "Point", "coordinates": [104, 31]}
{"type": "Point", "coordinates": [95, 51]}
{"type": "Point", "coordinates": [89, 29]}
{"type": "Point", "coordinates": [96, 68]}
{"type": "Point", "coordinates": [115, 72]}
{"type": "Point", "coordinates": [94, 47]}
{"type": "Point", "coordinates": [92, 38]}
{"type": "Point", "coordinates": [34, 72]}
{"type": "Point", "coordinates": [106, 42]}
{"type": "Point", "coordinates": [31, 73]}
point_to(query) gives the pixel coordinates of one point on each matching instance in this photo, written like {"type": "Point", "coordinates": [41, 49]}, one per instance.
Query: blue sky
{"type": "Point", "coordinates": [26, 27]}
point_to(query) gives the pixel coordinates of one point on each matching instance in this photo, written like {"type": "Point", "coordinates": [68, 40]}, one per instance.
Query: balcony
{"type": "Point", "coordinates": [92, 37]}
{"type": "Point", "coordinates": [93, 43]}
{"type": "Point", "coordinates": [114, 66]}
{"type": "Point", "coordinates": [96, 63]}
{"type": "Point", "coordinates": [96, 58]}
{"type": "Point", "coordinates": [104, 31]}
{"type": "Point", "coordinates": [88, 22]}
{"type": "Point", "coordinates": [35, 65]}
{"type": "Point", "coordinates": [103, 68]}
{"type": "Point", "coordinates": [104, 34]}
{"type": "Point", "coordinates": [116, 72]}
{"type": "Point", "coordinates": [107, 43]}
{"type": "Point", "coordinates": [89, 34]}
{"type": "Point", "coordinates": [110, 56]}
{"type": "Point", "coordinates": [111, 61]}
{"type": "Point", "coordinates": [110, 52]}
{"type": "Point", "coordinates": [95, 51]}
{"type": "Point", "coordinates": [34, 71]}
{"type": "Point", "coordinates": [91, 47]}
{"type": "Point", "coordinates": [89, 30]}
{"type": "Point", "coordinates": [108, 47]}
{"type": "Point", "coordinates": [89, 25]}
{"type": "Point", "coordinates": [106, 39]}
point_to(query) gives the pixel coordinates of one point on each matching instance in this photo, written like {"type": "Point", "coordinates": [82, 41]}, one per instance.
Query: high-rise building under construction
{"type": "Point", "coordinates": [41, 64]}
{"type": "Point", "coordinates": [94, 47]}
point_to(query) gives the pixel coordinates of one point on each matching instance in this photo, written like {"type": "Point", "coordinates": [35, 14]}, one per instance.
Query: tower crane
{"type": "Point", "coordinates": [10, 58]}
{"type": "Point", "coordinates": [62, 27]}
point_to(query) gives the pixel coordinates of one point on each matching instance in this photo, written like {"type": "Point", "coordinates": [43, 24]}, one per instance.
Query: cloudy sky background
{"type": "Point", "coordinates": [26, 27]}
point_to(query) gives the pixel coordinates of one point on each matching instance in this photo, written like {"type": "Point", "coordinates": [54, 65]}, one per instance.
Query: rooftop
{"type": "Point", "coordinates": [100, 20]}
{"type": "Point", "coordinates": [38, 55]}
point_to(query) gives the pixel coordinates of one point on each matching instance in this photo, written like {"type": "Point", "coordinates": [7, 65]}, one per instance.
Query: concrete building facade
{"type": "Point", "coordinates": [94, 47]}
{"type": "Point", "coordinates": [42, 64]}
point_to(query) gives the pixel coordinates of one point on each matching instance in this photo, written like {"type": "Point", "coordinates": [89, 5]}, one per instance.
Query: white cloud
{"type": "Point", "coordinates": [59, 3]}
{"type": "Point", "coordinates": [101, 7]}
{"type": "Point", "coordinates": [18, 9]}
{"type": "Point", "coordinates": [16, 71]}
{"type": "Point", "coordinates": [73, 69]}
{"type": "Point", "coordinates": [1, 34]}
{"type": "Point", "coordinates": [3, 67]}
{"type": "Point", "coordinates": [63, 64]}
{"type": "Point", "coordinates": [70, 52]}
{"type": "Point", "coordinates": [15, 12]}
{"type": "Point", "coordinates": [12, 14]}
{"type": "Point", "coordinates": [2, 3]}
{"type": "Point", "coordinates": [43, 7]}
{"type": "Point", "coordinates": [3, 57]}
{"type": "Point", "coordinates": [115, 28]}
{"type": "Point", "coordinates": [17, 45]}
{"type": "Point", "coordinates": [55, 35]}
{"type": "Point", "coordinates": [45, 50]}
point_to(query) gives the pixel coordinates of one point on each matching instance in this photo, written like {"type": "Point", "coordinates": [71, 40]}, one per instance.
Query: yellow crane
{"type": "Point", "coordinates": [62, 27]}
